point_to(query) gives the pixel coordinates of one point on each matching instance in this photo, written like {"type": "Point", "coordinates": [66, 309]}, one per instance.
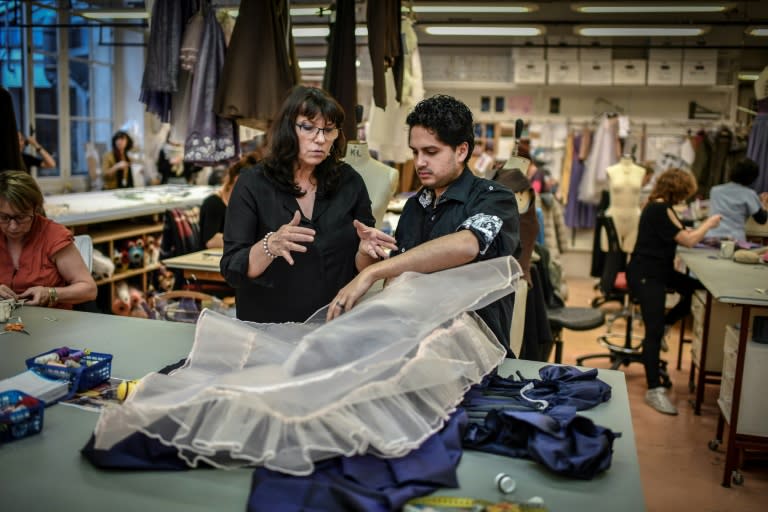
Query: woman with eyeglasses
{"type": "Point", "coordinates": [38, 259]}
{"type": "Point", "coordinates": [299, 223]}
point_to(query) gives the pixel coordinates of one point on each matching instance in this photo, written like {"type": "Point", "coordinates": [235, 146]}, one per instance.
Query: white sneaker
{"type": "Point", "coordinates": [658, 399]}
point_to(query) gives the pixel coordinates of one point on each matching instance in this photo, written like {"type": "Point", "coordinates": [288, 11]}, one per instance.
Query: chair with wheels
{"type": "Point", "coordinates": [574, 319]}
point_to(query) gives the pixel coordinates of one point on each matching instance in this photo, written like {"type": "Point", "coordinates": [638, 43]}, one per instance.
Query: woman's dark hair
{"type": "Point", "coordinates": [745, 172]}
{"type": "Point", "coordinates": [128, 145]}
{"type": "Point", "coordinates": [10, 153]}
{"type": "Point", "coordinates": [448, 118]}
{"type": "Point", "coordinates": [283, 145]}
{"type": "Point", "coordinates": [673, 185]}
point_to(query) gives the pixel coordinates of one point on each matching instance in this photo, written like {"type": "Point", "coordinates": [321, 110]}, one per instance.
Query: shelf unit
{"type": "Point", "coordinates": [107, 236]}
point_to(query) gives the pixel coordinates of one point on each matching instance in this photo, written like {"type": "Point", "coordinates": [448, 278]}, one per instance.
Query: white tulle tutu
{"type": "Point", "coordinates": [380, 379]}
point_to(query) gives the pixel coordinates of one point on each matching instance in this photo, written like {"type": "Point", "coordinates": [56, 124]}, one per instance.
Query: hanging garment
{"type": "Point", "coordinates": [388, 132]}
{"type": "Point", "coordinates": [385, 47]}
{"type": "Point", "coordinates": [340, 77]}
{"type": "Point", "coordinates": [757, 150]}
{"type": "Point", "coordinates": [160, 77]}
{"type": "Point", "coordinates": [210, 138]}
{"type": "Point", "coordinates": [578, 214]}
{"type": "Point", "coordinates": [241, 398]}
{"type": "Point", "coordinates": [716, 174]}
{"type": "Point", "coordinates": [604, 153]}
{"type": "Point", "coordinates": [252, 87]}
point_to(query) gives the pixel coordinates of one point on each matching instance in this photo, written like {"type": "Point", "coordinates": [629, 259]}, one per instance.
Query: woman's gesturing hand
{"type": "Point", "coordinates": [374, 242]}
{"type": "Point", "coordinates": [289, 238]}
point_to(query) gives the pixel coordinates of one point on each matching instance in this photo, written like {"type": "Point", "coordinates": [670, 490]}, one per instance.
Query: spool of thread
{"type": "Point", "coordinates": [505, 483]}
{"type": "Point", "coordinates": [125, 388]}
{"type": "Point", "coordinates": [47, 358]}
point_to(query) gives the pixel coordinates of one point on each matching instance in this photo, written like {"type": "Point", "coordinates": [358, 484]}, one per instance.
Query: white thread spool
{"type": "Point", "coordinates": [505, 483]}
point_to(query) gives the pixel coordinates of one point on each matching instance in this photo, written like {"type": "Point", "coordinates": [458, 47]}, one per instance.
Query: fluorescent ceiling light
{"type": "Point", "coordinates": [318, 10]}
{"type": "Point", "coordinates": [648, 9]}
{"type": "Point", "coordinates": [474, 9]}
{"type": "Point", "coordinates": [360, 31]}
{"type": "Point", "coordinates": [635, 31]}
{"type": "Point", "coordinates": [114, 14]}
{"type": "Point", "coordinates": [482, 30]}
{"type": "Point", "coordinates": [748, 76]}
{"type": "Point", "coordinates": [317, 64]}
{"type": "Point", "coordinates": [758, 31]}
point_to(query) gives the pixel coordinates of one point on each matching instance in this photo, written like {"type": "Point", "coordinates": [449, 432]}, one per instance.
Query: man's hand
{"type": "Point", "coordinates": [373, 242]}
{"type": "Point", "coordinates": [349, 295]}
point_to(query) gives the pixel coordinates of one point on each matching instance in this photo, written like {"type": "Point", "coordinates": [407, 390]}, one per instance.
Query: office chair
{"type": "Point", "coordinates": [614, 287]}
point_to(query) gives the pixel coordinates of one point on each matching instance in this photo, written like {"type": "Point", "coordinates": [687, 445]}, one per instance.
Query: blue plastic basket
{"type": "Point", "coordinates": [22, 422]}
{"type": "Point", "coordinates": [95, 368]}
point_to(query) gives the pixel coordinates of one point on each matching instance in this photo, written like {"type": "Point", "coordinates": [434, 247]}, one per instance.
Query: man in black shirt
{"type": "Point", "coordinates": [454, 219]}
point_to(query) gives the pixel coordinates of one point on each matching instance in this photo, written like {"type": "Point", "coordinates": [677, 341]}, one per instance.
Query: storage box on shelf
{"type": "Point", "coordinates": [753, 411]}
{"type": "Point", "coordinates": [721, 315]}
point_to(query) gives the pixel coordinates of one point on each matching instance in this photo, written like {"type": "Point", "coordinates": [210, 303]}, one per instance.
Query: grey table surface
{"type": "Point", "coordinates": [47, 472]}
{"type": "Point", "coordinates": [726, 280]}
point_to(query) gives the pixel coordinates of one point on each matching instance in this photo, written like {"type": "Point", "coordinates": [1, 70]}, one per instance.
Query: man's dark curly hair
{"type": "Point", "coordinates": [745, 172]}
{"type": "Point", "coordinates": [449, 119]}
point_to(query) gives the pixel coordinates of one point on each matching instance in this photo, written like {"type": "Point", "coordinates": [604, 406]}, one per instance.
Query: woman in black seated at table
{"type": "Point", "coordinates": [38, 259]}
{"type": "Point", "coordinates": [651, 272]}
{"type": "Point", "coordinates": [299, 223]}
{"type": "Point", "coordinates": [214, 208]}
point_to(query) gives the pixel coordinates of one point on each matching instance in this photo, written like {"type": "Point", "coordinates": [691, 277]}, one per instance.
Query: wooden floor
{"type": "Point", "coordinates": [679, 472]}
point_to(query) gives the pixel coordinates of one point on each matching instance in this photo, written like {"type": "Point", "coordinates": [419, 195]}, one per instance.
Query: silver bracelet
{"type": "Point", "coordinates": [265, 244]}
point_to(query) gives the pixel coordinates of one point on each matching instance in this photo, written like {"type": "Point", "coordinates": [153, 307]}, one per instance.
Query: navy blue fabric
{"type": "Point", "coordinates": [364, 483]}
{"type": "Point", "coordinates": [565, 443]}
{"type": "Point", "coordinates": [558, 385]}
{"type": "Point", "coordinates": [136, 451]}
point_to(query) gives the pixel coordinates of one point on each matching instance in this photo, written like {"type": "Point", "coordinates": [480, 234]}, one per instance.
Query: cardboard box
{"type": "Point", "coordinates": [699, 72]}
{"type": "Point", "coordinates": [530, 71]}
{"type": "Point", "coordinates": [629, 71]}
{"type": "Point", "coordinates": [563, 71]}
{"type": "Point", "coordinates": [598, 72]}
{"type": "Point", "coordinates": [664, 72]}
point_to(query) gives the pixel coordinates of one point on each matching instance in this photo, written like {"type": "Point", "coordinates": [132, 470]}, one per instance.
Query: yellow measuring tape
{"type": "Point", "coordinates": [475, 504]}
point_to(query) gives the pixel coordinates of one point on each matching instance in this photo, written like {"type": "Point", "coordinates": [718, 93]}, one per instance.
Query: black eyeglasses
{"type": "Point", "coordinates": [311, 131]}
{"type": "Point", "coordinates": [19, 219]}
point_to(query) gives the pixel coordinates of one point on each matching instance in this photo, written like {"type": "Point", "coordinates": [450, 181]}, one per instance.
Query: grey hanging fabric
{"type": "Point", "coordinates": [260, 66]}
{"type": "Point", "coordinates": [210, 138]}
{"type": "Point", "coordinates": [385, 46]}
{"type": "Point", "coordinates": [340, 70]}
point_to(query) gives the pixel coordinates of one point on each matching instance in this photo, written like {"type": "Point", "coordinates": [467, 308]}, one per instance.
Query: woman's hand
{"type": "Point", "coordinates": [289, 238]}
{"type": "Point", "coordinates": [7, 293]}
{"type": "Point", "coordinates": [713, 221]}
{"type": "Point", "coordinates": [36, 296]}
{"type": "Point", "coordinates": [373, 242]}
{"type": "Point", "coordinates": [349, 295]}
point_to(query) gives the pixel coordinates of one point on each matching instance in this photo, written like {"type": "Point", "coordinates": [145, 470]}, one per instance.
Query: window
{"type": "Point", "coordinates": [64, 119]}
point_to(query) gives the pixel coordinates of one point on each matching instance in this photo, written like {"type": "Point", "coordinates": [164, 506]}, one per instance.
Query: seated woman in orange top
{"type": "Point", "coordinates": [38, 259]}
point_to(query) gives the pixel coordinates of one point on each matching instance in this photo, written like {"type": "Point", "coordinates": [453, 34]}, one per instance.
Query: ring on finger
{"type": "Point", "coordinates": [340, 305]}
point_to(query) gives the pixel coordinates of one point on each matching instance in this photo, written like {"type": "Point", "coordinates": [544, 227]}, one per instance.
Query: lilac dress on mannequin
{"type": "Point", "coordinates": [577, 213]}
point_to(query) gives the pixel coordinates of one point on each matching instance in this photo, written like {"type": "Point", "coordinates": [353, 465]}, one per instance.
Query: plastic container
{"type": "Point", "coordinates": [95, 368]}
{"type": "Point", "coordinates": [21, 422]}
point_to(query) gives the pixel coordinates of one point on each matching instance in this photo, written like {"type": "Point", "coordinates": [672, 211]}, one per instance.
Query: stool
{"type": "Point", "coordinates": [575, 319]}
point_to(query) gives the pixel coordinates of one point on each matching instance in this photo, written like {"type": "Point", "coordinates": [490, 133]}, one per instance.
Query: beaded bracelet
{"type": "Point", "coordinates": [265, 243]}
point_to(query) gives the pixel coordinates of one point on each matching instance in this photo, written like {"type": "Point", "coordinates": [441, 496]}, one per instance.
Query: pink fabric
{"type": "Point", "coordinates": [36, 266]}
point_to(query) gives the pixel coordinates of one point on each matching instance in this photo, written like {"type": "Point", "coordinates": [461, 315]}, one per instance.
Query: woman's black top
{"type": "Point", "coordinates": [654, 253]}
{"type": "Point", "coordinates": [285, 293]}
{"type": "Point", "coordinates": [212, 214]}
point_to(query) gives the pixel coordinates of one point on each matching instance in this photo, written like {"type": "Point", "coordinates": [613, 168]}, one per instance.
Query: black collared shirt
{"type": "Point", "coordinates": [487, 209]}
{"type": "Point", "coordinates": [285, 293]}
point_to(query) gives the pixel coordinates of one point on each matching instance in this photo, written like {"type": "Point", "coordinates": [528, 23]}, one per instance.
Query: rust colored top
{"type": "Point", "coordinates": [36, 265]}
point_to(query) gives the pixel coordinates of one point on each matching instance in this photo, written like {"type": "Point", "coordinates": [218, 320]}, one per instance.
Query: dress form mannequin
{"type": "Point", "coordinates": [380, 179]}
{"type": "Point", "coordinates": [625, 181]}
